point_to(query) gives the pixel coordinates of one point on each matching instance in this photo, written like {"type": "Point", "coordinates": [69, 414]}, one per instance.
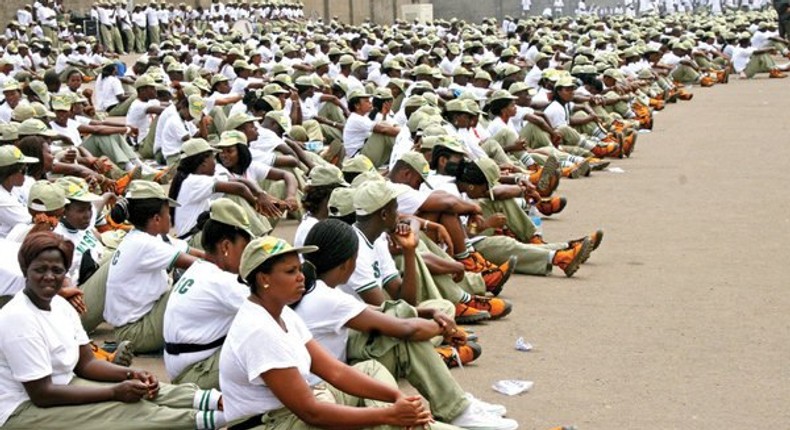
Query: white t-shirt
{"type": "Point", "coordinates": [357, 130]}
{"type": "Point", "coordinates": [303, 229]}
{"type": "Point", "coordinates": [138, 118]}
{"type": "Point", "coordinates": [107, 91]}
{"type": "Point", "coordinates": [375, 266]}
{"type": "Point", "coordinates": [71, 130]}
{"type": "Point", "coordinates": [409, 203]}
{"type": "Point", "coordinates": [13, 210]}
{"type": "Point", "coordinates": [173, 132]}
{"type": "Point", "coordinates": [137, 277]}
{"type": "Point", "coordinates": [85, 242]}
{"type": "Point", "coordinates": [11, 278]}
{"type": "Point", "coordinates": [557, 114]}
{"type": "Point", "coordinates": [326, 311]}
{"type": "Point", "coordinates": [199, 311]}
{"type": "Point", "coordinates": [255, 345]}
{"type": "Point", "coordinates": [35, 344]}
{"type": "Point", "coordinates": [195, 194]}
{"type": "Point", "coordinates": [741, 57]}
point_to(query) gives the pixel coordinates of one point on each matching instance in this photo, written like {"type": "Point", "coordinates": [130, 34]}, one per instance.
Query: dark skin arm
{"type": "Point", "coordinates": [405, 288]}
{"type": "Point", "coordinates": [413, 329]}
{"type": "Point", "coordinates": [440, 201]}
{"type": "Point", "coordinates": [267, 204]}
{"type": "Point", "coordinates": [140, 384]}
{"type": "Point", "coordinates": [288, 386]}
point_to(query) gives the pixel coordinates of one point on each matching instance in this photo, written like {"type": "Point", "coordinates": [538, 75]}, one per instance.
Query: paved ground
{"type": "Point", "coordinates": [680, 320]}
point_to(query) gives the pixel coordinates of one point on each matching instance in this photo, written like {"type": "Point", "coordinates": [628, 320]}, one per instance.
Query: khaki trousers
{"type": "Point", "coordinates": [204, 373]}
{"type": "Point", "coordinates": [761, 63]}
{"type": "Point", "coordinates": [147, 333]}
{"type": "Point", "coordinates": [417, 362]}
{"type": "Point", "coordinates": [172, 409]}
{"type": "Point", "coordinates": [113, 147]}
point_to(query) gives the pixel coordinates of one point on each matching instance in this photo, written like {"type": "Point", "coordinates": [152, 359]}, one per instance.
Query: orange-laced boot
{"type": "Point", "coordinates": [552, 205]}
{"type": "Point", "coordinates": [549, 178]}
{"type": "Point", "coordinates": [494, 276]}
{"type": "Point", "coordinates": [776, 74]}
{"type": "Point", "coordinates": [459, 355]}
{"type": "Point", "coordinates": [466, 314]}
{"type": "Point", "coordinates": [595, 239]}
{"type": "Point", "coordinates": [570, 259]}
{"type": "Point", "coordinates": [496, 307]}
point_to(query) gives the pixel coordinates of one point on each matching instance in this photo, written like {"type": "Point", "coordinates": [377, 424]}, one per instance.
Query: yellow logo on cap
{"type": "Point", "coordinates": [17, 152]}
{"type": "Point", "coordinates": [273, 245]}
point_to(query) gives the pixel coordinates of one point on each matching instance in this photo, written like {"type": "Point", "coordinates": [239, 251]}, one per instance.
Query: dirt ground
{"type": "Point", "coordinates": [679, 320]}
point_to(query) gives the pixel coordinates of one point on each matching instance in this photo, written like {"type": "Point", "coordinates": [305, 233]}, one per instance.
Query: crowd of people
{"type": "Point", "coordinates": [417, 158]}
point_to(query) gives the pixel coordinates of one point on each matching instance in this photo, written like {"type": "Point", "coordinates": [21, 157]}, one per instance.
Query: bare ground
{"type": "Point", "coordinates": [679, 320]}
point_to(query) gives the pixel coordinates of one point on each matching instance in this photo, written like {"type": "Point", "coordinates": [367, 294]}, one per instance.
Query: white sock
{"type": "Point", "coordinates": [575, 159]}
{"type": "Point", "coordinates": [210, 420]}
{"type": "Point", "coordinates": [552, 253]}
{"type": "Point", "coordinates": [206, 400]}
{"type": "Point", "coordinates": [129, 166]}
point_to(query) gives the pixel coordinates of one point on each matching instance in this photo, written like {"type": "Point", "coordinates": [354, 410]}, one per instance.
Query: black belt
{"type": "Point", "coordinates": [249, 423]}
{"type": "Point", "coordinates": [184, 348]}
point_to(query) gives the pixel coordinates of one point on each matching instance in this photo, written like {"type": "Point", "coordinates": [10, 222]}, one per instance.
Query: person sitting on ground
{"type": "Point", "coordinates": [206, 299]}
{"type": "Point", "coordinates": [269, 353]}
{"type": "Point", "coordinates": [48, 373]}
{"type": "Point", "coordinates": [353, 332]}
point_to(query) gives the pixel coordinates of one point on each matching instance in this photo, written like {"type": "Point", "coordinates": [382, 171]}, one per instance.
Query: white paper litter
{"type": "Point", "coordinates": [615, 170]}
{"type": "Point", "coordinates": [522, 345]}
{"type": "Point", "coordinates": [512, 387]}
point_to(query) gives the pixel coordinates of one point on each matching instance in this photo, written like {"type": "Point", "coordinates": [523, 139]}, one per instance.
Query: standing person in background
{"type": "Point", "coordinates": [139, 20]}
{"type": "Point", "coordinates": [152, 14]}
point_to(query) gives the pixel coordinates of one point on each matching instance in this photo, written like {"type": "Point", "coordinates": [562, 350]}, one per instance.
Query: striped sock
{"type": "Point", "coordinates": [206, 400]}
{"type": "Point", "coordinates": [206, 420]}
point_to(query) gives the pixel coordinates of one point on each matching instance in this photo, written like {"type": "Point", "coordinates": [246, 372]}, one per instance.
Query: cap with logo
{"type": "Point", "coordinates": [10, 155]}
{"type": "Point", "coordinates": [196, 106]}
{"type": "Point", "coordinates": [35, 127]}
{"type": "Point", "coordinates": [417, 161]}
{"type": "Point", "coordinates": [231, 138]}
{"type": "Point", "coordinates": [76, 189]}
{"type": "Point", "coordinates": [358, 164]}
{"type": "Point", "coordinates": [238, 119]}
{"type": "Point", "coordinates": [264, 248]}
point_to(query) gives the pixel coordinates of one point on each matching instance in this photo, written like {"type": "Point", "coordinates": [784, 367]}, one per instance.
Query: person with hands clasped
{"type": "Point", "coordinates": [49, 378]}
{"type": "Point", "coordinates": [269, 353]}
{"type": "Point", "coordinates": [397, 335]}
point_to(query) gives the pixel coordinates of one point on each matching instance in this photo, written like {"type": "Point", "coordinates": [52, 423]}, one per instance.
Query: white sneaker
{"type": "Point", "coordinates": [491, 408]}
{"type": "Point", "coordinates": [475, 418]}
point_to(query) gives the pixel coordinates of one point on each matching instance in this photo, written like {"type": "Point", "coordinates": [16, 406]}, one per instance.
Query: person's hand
{"type": "Point", "coordinates": [291, 203]}
{"type": "Point", "coordinates": [443, 237]}
{"type": "Point", "coordinates": [409, 412]}
{"type": "Point", "coordinates": [458, 271]}
{"type": "Point", "coordinates": [556, 138]}
{"type": "Point", "coordinates": [69, 155]}
{"type": "Point", "coordinates": [75, 297]}
{"type": "Point", "coordinates": [496, 221]}
{"type": "Point", "coordinates": [267, 206]}
{"type": "Point", "coordinates": [149, 379]}
{"type": "Point", "coordinates": [404, 236]}
{"type": "Point", "coordinates": [131, 391]}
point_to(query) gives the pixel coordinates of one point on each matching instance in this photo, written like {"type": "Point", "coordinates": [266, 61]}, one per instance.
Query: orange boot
{"type": "Point", "coordinates": [122, 355]}
{"type": "Point", "coordinates": [460, 355]}
{"type": "Point", "coordinates": [551, 206]}
{"type": "Point", "coordinates": [466, 314]}
{"type": "Point", "coordinates": [494, 276]}
{"type": "Point", "coordinates": [549, 178]}
{"type": "Point", "coordinates": [608, 150]}
{"type": "Point", "coordinates": [776, 74]}
{"type": "Point", "coordinates": [706, 81]}
{"type": "Point", "coordinates": [570, 259]}
{"type": "Point", "coordinates": [496, 307]}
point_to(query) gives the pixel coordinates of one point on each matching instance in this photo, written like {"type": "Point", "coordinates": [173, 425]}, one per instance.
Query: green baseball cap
{"type": "Point", "coordinates": [144, 81]}
{"type": "Point", "coordinates": [374, 195]}
{"type": "Point", "coordinates": [76, 189]}
{"type": "Point", "coordinates": [217, 79]}
{"type": "Point", "coordinates": [238, 119]}
{"type": "Point", "coordinates": [457, 106]}
{"type": "Point", "coordinates": [22, 112]}
{"type": "Point", "coordinates": [231, 138]}
{"type": "Point", "coordinates": [228, 212]}
{"type": "Point", "coordinates": [358, 164]}
{"type": "Point", "coordinates": [10, 155]}
{"type": "Point", "coordinates": [196, 106]}
{"type": "Point", "coordinates": [566, 81]}
{"type": "Point", "coordinates": [8, 132]}
{"type": "Point", "coordinates": [262, 249]}
{"type": "Point", "coordinates": [194, 147]}
{"type": "Point", "coordinates": [358, 94]}
{"type": "Point", "coordinates": [450, 143]}
{"type": "Point", "coordinates": [45, 196]}
{"type": "Point", "coordinates": [500, 95]}
{"type": "Point", "coordinates": [281, 118]}
{"type": "Point", "coordinates": [490, 171]}
{"type": "Point", "coordinates": [61, 103]}
{"type": "Point", "coordinates": [35, 127]}
{"type": "Point", "coordinates": [274, 89]}
{"type": "Point", "coordinates": [140, 189]}
{"type": "Point", "coordinates": [326, 174]}
{"type": "Point", "coordinates": [341, 202]}
{"type": "Point", "coordinates": [362, 178]}
{"type": "Point", "coordinates": [11, 85]}
{"type": "Point", "coordinates": [417, 161]}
